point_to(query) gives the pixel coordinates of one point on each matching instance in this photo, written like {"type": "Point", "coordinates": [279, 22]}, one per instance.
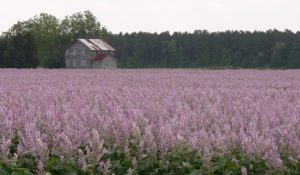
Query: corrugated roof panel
{"type": "Point", "coordinates": [99, 44]}
{"type": "Point", "coordinates": [88, 44]}
{"type": "Point", "coordinates": [107, 45]}
{"type": "Point", "coordinates": [102, 44]}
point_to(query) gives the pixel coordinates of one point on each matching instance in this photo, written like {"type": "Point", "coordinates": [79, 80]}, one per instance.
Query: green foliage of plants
{"type": "Point", "coordinates": [233, 164]}
{"type": "Point", "coordinates": [292, 166]}
{"type": "Point", "coordinates": [131, 160]}
{"type": "Point", "coordinates": [181, 162]}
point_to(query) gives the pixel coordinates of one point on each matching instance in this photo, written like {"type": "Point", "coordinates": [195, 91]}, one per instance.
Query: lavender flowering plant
{"type": "Point", "coordinates": [135, 121]}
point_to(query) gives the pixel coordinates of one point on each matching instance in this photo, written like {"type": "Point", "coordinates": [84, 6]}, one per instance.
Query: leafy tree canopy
{"type": "Point", "coordinates": [51, 36]}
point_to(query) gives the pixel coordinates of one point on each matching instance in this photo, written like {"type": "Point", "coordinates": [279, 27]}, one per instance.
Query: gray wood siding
{"type": "Point", "coordinates": [110, 62]}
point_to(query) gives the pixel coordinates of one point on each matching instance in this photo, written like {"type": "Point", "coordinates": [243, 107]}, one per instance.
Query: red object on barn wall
{"type": "Point", "coordinates": [99, 56]}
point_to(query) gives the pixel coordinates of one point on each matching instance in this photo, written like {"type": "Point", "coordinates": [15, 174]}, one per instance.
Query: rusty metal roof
{"type": "Point", "coordinates": [101, 44]}
{"type": "Point", "coordinates": [88, 44]}
{"type": "Point", "coordinates": [96, 44]}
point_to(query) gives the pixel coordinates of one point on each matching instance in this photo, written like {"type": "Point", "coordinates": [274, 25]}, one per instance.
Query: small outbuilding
{"type": "Point", "coordinates": [90, 53]}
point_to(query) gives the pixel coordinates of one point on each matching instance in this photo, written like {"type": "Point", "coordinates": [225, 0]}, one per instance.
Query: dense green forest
{"type": "Point", "coordinates": [41, 41]}
{"type": "Point", "coordinates": [273, 49]}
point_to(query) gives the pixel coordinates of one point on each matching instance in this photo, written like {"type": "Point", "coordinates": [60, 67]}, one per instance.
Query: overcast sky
{"type": "Point", "coordinates": [162, 15]}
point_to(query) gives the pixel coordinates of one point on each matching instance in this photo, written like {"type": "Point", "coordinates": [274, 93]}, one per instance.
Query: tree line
{"type": "Point", "coordinates": [242, 49]}
{"type": "Point", "coordinates": [42, 40]}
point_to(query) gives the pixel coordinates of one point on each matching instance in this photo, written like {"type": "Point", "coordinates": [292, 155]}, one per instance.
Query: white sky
{"type": "Point", "coordinates": [162, 15]}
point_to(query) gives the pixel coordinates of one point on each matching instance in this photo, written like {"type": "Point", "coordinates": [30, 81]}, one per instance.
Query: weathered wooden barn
{"type": "Point", "coordinates": [90, 53]}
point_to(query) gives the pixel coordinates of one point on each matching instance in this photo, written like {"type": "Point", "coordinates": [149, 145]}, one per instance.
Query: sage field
{"type": "Point", "coordinates": [112, 121]}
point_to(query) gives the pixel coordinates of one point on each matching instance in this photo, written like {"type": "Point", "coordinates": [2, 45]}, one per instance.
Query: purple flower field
{"type": "Point", "coordinates": [213, 112]}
